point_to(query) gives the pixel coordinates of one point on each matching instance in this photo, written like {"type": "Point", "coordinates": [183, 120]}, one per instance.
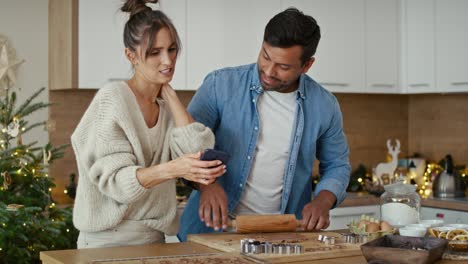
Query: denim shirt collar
{"type": "Point", "coordinates": [256, 85]}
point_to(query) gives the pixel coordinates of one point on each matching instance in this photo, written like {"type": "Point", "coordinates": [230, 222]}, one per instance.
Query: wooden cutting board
{"type": "Point", "coordinates": [313, 249]}
{"type": "Point", "coordinates": [208, 258]}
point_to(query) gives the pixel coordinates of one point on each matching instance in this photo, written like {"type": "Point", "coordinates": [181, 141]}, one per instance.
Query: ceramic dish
{"type": "Point", "coordinates": [404, 250]}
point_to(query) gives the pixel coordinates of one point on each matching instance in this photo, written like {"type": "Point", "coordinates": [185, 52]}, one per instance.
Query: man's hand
{"type": "Point", "coordinates": [316, 214]}
{"type": "Point", "coordinates": [213, 206]}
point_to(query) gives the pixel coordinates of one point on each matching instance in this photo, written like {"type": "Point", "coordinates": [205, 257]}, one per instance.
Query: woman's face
{"type": "Point", "coordinates": [160, 62]}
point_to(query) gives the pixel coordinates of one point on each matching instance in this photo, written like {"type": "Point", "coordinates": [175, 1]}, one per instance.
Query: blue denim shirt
{"type": "Point", "coordinates": [227, 103]}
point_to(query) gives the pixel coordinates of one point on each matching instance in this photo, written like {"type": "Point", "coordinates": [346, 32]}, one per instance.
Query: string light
{"type": "Point", "coordinates": [359, 179]}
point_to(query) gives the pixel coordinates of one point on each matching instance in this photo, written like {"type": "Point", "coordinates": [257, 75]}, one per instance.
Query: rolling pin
{"type": "Point", "coordinates": [265, 223]}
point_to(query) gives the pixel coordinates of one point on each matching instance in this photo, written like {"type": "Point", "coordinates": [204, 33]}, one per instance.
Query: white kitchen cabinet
{"type": "Point", "coordinates": [341, 217]}
{"type": "Point", "coordinates": [176, 10]}
{"type": "Point", "coordinates": [224, 33]}
{"type": "Point", "coordinates": [86, 47]}
{"type": "Point", "coordinates": [418, 46]}
{"type": "Point", "coordinates": [340, 56]}
{"type": "Point", "coordinates": [101, 56]}
{"type": "Point", "coordinates": [449, 216]}
{"type": "Point", "coordinates": [451, 42]}
{"type": "Point", "coordinates": [382, 46]}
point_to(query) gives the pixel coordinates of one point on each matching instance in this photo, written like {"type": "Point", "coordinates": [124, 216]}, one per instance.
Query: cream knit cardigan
{"type": "Point", "coordinates": [111, 142]}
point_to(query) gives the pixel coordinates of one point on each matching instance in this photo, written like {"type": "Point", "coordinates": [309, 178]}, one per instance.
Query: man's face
{"type": "Point", "coordinates": [280, 68]}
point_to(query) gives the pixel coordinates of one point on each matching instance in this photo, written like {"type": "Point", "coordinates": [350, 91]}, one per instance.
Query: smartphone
{"type": "Point", "coordinates": [212, 154]}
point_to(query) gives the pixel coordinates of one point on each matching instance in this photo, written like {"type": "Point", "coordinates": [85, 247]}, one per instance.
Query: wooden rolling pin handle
{"type": "Point", "coordinates": [265, 223]}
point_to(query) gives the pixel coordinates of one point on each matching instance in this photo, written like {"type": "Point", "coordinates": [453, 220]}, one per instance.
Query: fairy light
{"type": "Point", "coordinates": [23, 129]}
{"type": "Point", "coordinates": [24, 224]}
{"type": "Point", "coordinates": [68, 230]}
{"type": "Point", "coordinates": [65, 191]}
{"type": "Point", "coordinates": [50, 189]}
{"type": "Point", "coordinates": [359, 179]}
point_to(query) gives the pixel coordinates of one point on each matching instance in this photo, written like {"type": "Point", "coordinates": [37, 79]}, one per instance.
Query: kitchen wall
{"type": "Point", "coordinates": [438, 125]}
{"type": "Point", "coordinates": [431, 124]}
{"type": "Point", "coordinates": [25, 24]}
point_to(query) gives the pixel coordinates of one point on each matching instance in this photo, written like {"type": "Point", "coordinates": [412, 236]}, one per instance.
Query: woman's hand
{"type": "Point", "coordinates": [180, 115]}
{"type": "Point", "coordinates": [191, 168]}
{"type": "Point", "coordinates": [167, 92]}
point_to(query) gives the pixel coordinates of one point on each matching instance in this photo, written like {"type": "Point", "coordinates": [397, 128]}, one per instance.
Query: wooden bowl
{"type": "Point", "coordinates": [401, 249]}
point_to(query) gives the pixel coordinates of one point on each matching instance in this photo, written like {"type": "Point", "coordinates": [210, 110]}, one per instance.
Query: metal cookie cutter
{"type": "Point", "coordinates": [355, 238]}
{"type": "Point", "coordinates": [328, 240]}
{"type": "Point", "coordinates": [298, 249]}
{"type": "Point", "coordinates": [349, 238]}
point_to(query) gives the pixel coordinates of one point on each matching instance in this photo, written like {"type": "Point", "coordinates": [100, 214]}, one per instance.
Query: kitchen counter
{"type": "Point", "coordinates": [364, 199]}
{"type": "Point", "coordinates": [172, 249]}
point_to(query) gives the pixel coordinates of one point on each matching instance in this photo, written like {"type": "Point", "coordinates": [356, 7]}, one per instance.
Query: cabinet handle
{"type": "Point", "coordinates": [382, 85]}
{"type": "Point", "coordinates": [117, 79]}
{"type": "Point", "coordinates": [419, 85]}
{"type": "Point", "coordinates": [335, 84]}
{"type": "Point", "coordinates": [459, 83]}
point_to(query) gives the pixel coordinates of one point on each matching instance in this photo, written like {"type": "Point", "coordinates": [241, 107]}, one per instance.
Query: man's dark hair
{"type": "Point", "coordinates": [292, 27]}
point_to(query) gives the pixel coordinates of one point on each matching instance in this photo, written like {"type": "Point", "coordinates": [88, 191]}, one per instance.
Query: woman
{"type": "Point", "coordinates": [131, 141]}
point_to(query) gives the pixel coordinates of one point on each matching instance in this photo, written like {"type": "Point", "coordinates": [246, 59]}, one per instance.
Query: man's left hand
{"type": "Point", "coordinates": [316, 214]}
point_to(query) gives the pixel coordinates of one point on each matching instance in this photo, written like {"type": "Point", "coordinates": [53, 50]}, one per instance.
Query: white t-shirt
{"type": "Point", "coordinates": [263, 189]}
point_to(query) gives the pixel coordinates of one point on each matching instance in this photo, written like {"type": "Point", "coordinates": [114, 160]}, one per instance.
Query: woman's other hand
{"type": "Point", "coordinates": [191, 168]}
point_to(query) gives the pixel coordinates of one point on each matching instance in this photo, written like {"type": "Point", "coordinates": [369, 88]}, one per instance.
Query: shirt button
{"type": "Point", "coordinates": [256, 128]}
{"type": "Point", "coordinates": [253, 100]}
{"type": "Point", "coordinates": [240, 185]}
{"type": "Point", "coordinates": [248, 157]}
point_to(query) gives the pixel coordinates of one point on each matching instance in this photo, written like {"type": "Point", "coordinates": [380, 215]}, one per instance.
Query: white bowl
{"type": "Point", "coordinates": [433, 222]}
{"type": "Point", "coordinates": [413, 231]}
{"type": "Point", "coordinates": [426, 226]}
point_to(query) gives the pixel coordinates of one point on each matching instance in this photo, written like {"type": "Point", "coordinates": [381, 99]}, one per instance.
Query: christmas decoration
{"type": "Point", "coordinates": [71, 189]}
{"type": "Point", "coordinates": [357, 179]}
{"type": "Point", "coordinates": [388, 168]}
{"type": "Point", "coordinates": [30, 221]}
{"type": "Point", "coordinates": [8, 65]}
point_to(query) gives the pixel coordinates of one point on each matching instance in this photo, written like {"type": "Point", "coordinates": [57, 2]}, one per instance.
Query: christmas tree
{"type": "Point", "coordinates": [30, 221]}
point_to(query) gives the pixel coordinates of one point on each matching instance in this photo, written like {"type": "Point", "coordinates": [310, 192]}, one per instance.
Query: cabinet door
{"type": "Point", "coordinates": [339, 64]}
{"type": "Point", "coordinates": [224, 33]}
{"type": "Point", "coordinates": [418, 46]}
{"type": "Point", "coordinates": [176, 11]}
{"type": "Point", "coordinates": [341, 217]}
{"type": "Point", "coordinates": [101, 55]}
{"type": "Point", "coordinates": [451, 45]}
{"type": "Point", "coordinates": [382, 46]}
{"type": "Point", "coordinates": [449, 216]}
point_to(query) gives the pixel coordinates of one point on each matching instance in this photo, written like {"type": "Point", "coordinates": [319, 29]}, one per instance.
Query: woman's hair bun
{"type": "Point", "coordinates": [136, 6]}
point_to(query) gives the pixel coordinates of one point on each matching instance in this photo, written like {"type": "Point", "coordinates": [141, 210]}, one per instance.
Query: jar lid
{"type": "Point", "coordinates": [400, 187]}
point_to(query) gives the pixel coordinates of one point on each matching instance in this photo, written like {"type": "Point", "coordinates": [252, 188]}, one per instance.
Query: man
{"type": "Point", "coordinates": [274, 121]}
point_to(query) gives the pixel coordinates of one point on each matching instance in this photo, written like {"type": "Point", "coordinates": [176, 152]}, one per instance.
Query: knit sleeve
{"type": "Point", "coordinates": [105, 155]}
{"type": "Point", "coordinates": [190, 139]}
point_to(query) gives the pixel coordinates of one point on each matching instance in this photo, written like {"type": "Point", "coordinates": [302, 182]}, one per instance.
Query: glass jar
{"type": "Point", "coordinates": [400, 204]}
